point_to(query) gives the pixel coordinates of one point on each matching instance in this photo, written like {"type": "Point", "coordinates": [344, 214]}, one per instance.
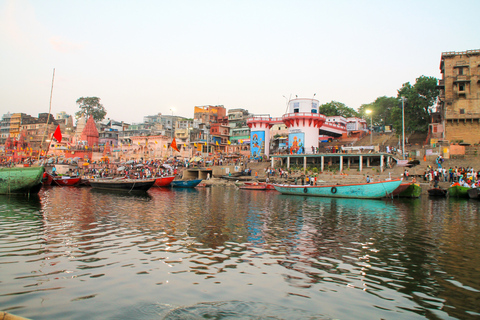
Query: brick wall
{"type": "Point", "coordinates": [467, 131]}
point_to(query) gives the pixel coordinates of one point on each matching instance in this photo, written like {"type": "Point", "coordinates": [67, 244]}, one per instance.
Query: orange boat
{"type": "Point", "coordinates": [268, 186]}
{"type": "Point", "coordinates": [163, 181]}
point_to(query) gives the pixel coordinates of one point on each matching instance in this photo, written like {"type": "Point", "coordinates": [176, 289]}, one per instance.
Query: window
{"type": "Point", "coordinates": [460, 71]}
{"type": "Point", "coordinates": [314, 110]}
{"type": "Point", "coordinates": [461, 87]}
{"type": "Point", "coordinates": [462, 111]}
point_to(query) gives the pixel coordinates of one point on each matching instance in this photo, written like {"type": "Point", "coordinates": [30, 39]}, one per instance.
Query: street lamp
{"type": "Point", "coordinates": [368, 111]}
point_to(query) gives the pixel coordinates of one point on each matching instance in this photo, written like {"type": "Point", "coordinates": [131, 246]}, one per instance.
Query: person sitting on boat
{"type": "Point", "coordinates": [368, 179]}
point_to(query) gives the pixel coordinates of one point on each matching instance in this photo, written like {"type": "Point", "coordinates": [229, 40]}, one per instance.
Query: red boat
{"type": "Point", "coordinates": [253, 187]}
{"type": "Point", "coordinates": [47, 179]}
{"type": "Point", "coordinates": [268, 186]}
{"type": "Point", "coordinates": [163, 181]}
{"type": "Point", "coordinates": [65, 181]}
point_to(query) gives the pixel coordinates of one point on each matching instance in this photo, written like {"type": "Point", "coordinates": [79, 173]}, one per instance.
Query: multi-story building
{"type": "Point", "coordinates": [5, 127]}
{"type": "Point", "coordinates": [237, 121]}
{"type": "Point", "coordinates": [459, 100]}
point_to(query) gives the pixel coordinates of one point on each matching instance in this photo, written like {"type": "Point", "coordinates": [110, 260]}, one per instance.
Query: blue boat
{"type": "Point", "coordinates": [372, 190]}
{"type": "Point", "coordinates": [185, 183]}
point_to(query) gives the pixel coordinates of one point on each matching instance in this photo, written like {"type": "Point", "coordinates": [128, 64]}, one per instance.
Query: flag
{"type": "Point", "coordinates": [216, 142]}
{"type": "Point", "coordinates": [184, 145]}
{"type": "Point", "coordinates": [228, 141]}
{"type": "Point", "coordinates": [156, 142]}
{"type": "Point", "coordinates": [174, 145]}
{"type": "Point", "coordinates": [58, 134]}
{"type": "Point", "coordinates": [195, 144]}
{"type": "Point", "coordinates": [205, 143]}
{"type": "Point", "coordinates": [241, 141]}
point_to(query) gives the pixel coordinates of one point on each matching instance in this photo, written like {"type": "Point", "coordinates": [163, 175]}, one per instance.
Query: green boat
{"type": "Point", "coordinates": [24, 180]}
{"type": "Point", "coordinates": [412, 191]}
{"type": "Point", "coordinates": [458, 191]}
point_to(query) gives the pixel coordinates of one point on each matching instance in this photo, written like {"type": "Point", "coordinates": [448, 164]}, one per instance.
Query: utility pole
{"type": "Point", "coordinates": [403, 128]}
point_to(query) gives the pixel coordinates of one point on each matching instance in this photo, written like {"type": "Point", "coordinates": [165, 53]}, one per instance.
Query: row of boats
{"type": "Point", "coordinates": [455, 190]}
{"type": "Point", "coordinates": [28, 180]}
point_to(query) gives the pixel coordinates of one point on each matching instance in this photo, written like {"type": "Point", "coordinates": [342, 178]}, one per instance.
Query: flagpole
{"type": "Point", "coordinates": [48, 119]}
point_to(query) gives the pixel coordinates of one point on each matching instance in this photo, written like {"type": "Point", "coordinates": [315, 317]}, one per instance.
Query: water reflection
{"type": "Point", "coordinates": [389, 258]}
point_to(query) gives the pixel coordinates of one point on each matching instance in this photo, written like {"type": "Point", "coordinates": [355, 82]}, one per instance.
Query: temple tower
{"type": "Point", "coordinates": [303, 122]}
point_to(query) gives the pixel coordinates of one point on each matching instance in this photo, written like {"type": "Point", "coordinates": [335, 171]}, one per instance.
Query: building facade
{"type": "Point", "coordinates": [459, 100]}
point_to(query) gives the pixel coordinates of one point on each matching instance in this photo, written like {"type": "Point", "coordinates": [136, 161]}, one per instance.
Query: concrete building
{"type": "Point", "coordinates": [459, 101]}
{"type": "Point", "coordinates": [5, 127]}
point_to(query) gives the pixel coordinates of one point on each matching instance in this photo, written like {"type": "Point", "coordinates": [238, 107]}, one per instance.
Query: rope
{"type": "Point", "coordinates": [133, 185]}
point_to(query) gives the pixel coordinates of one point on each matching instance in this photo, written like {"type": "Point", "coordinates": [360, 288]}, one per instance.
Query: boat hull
{"type": "Point", "coordinates": [458, 192]}
{"type": "Point", "coordinates": [25, 180]}
{"type": "Point", "coordinates": [374, 190]}
{"type": "Point", "coordinates": [437, 192]}
{"type": "Point", "coordinates": [122, 184]}
{"type": "Point", "coordinates": [474, 193]}
{"type": "Point", "coordinates": [65, 181]}
{"type": "Point", "coordinates": [412, 191]}
{"type": "Point", "coordinates": [185, 183]}
{"type": "Point", "coordinates": [164, 181]}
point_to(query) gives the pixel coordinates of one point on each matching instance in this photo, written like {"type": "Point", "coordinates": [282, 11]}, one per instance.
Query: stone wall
{"type": "Point", "coordinates": [467, 131]}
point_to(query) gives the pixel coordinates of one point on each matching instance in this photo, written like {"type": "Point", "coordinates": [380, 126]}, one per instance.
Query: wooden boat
{"type": "Point", "coordinates": [412, 191]}
{"type": "Point", "coordinates": [185, 183]}
{"type": "Point", "coordinates": [437, 192]}
{"type": "Point", "coordinates": [260, 186]}
{"type": "Point", "coordinates": [402, 187]}
{"type": "Point", "coordinates": [372, 190]}
{"type": "Point", "coordinates": [164, 181]}
{"type": "Point", "coordinates": [458, 191]}
{"type": "Point", "coordinates": [24, 180]}
{"type": "Point", "coordinates": [122, 184]}
{"type": "Point", "coordinates": [47, 179]}
{"type": "Point", "coordinates": [269, 186]}
{"type": "Point", "coordinates": [474, 193]}
{"type": "Point", "coordinates": [64, 181]}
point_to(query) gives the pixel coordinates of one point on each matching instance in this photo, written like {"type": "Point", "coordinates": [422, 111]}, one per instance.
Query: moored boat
{"type": "Point", "coordinates": [458, 191]}
{"type": "Point", "coordinates": [402, 187]}
{"type": "Point", "coordinates": [21, 180]}
{"type": "Point", "coordinates": [122, 184]}
{"type": "Point", "coordinates": [164, 181]}
{"type": "Point", "coordinates": [372, 190]}
{"type": "Point", "coordinates": [185, 183]}
{"type": "Point", "coordinates": [437, 192]}
{"type": "Point", "coordinates": [64, 181]}
{"type": "Point", "coordinates": [412, 191]}
{"type": "Point", "coordinates": [253, 187]}
{"type": "Point", "coordinates": [474, 193]}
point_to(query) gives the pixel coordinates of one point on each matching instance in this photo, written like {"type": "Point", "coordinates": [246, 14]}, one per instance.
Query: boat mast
{"type": "Point", "coordinates": [48, 117]}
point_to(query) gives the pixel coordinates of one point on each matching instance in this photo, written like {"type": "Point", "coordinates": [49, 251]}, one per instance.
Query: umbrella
{"type": "Point", "coordinates": [139, 165]}
{"type": "Point", "coordinates": [86, 164]}
{"type": "Point", "coordinates": [120, 168]}
{"type": "Point", "coordinates": [129, 162]}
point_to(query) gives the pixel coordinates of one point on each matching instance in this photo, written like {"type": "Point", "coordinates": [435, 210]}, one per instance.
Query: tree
{"type": "Point", "coordinates": [91, 106]}
{"type": "Point", "coordinates": [335, 108]}
{"type": "Point", "coordinates": [419, 101]}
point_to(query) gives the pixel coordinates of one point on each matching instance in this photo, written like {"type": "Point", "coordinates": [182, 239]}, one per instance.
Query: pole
{"type": "Point", "coordinates": [403, 128]}
{"type": "Point", "coordinates": [371, 129]}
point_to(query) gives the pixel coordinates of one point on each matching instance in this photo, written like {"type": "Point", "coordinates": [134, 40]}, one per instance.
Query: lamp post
{"type": "Point", "coordinates": [368, 111]}
{"type": "Point", "coordinates": [403, 128]}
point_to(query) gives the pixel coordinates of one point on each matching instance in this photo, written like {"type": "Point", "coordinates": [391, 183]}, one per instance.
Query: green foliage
{"type": "Point", "coordinates": [419, 101]}
{"type": "Point", "coordinates": [335, 108]}
{"type": "Point", "coordinates": [90, 106]}
{"type": "Point", "coordinates": [315, 170]}
{"type": "Point", "coordinates": [381, 109]}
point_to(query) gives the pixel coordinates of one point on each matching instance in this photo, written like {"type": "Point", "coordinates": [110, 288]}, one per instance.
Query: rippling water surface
{"type": "Point", "coordinates": [225, 253]}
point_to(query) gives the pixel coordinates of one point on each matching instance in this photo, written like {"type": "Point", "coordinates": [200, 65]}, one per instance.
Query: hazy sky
{"type": "Point", "coordinates": [145, 57]}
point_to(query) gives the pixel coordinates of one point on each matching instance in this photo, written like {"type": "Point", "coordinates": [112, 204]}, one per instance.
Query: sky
{"type": "Point", "coordinates": [148, 57]}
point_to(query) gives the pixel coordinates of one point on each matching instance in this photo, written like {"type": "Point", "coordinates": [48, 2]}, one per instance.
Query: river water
{"type": "Point", "coordinates": [224, 253]}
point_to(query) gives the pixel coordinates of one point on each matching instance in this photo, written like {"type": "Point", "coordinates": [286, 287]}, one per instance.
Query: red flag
{"type": "Point", "coordinates": [58, 134]}
{"type": "Point", "coordinates": [174, 145]}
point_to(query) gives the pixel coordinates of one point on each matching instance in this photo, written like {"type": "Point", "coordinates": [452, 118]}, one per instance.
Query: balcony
{"type": "Point", "coordinates": [462, 78]}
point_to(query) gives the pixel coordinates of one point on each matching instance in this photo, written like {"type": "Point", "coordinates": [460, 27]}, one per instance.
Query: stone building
{"type": "Point", "coordinates": [459, 99]}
